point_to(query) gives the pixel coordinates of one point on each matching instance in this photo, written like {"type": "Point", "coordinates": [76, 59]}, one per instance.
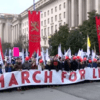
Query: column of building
{"type": "Point", "coordinates": [67, 3]}
{"type": "Point", "coordinates": [88, 5]}
{"type": "Point", "coordinates": [72, 13]}
{"type": "Point", "coordinates": [80, 11]}
{"type": "Point", "coordinates": [97, 5]}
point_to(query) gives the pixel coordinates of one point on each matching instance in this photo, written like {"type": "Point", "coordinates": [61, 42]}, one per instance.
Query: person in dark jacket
{"type": "Point", "coordinates": [67, 65]}
{"type": "Point", "coordinates": [85, 63]}
{"type": "Point", "coordinates": [34, 66]}
{"type": "Point", "coordinates": [8, 68]}
{"type": "Point", "coordinates": [74, 64]}
{"type": "Point", "coordinates": [94, 64]}
{"type": "Point", "coordinates": [90, 63]}
{"type": "Point", "coordinates": [26, 65]}
{"type": "Point", "coordinates": [56, 65]}
{"type": "Point", "coordinates": [48, 65]}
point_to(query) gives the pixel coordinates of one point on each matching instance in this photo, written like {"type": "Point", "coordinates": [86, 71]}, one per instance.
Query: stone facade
{"type": "Point", "coordinates": [54, 13]}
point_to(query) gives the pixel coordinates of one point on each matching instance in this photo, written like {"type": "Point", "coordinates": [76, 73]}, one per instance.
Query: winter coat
{"type": "Point", "coordinates": [74, 65]}
{"type": "Point", "coordinates": [18, 66]}
{"type": "Point", "coordinates": [94, 64]}
{"type": "Point", "coordinates": [67, 66]}
{"type": "Point", "coordinates": [26, 66]}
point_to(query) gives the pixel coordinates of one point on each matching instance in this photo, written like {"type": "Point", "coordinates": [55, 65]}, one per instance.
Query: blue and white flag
{"type": "Point", "coordinates": [59, 51]}
{"type": "Point", "coordinates": [1, 60]}
{"type": "Point", "coordinates": [26, 53]}
{"type": "Point", "coordinates": [22, 56]}
{"type": "Point", "coordinates": [9, 55]}
{"type": "Point", "coordinates": [47, 55]}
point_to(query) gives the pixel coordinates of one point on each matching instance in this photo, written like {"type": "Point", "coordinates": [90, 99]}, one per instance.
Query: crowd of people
{"type": "Point", "coordinates": [54, 63]}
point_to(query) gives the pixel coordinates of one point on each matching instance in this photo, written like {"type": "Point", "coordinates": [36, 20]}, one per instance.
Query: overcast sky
{"type": "Point", "coordinates": [15, 6]}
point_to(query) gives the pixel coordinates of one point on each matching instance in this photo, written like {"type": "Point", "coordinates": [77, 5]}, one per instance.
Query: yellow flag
{"type": "Point", "coordinates": [88, 42]}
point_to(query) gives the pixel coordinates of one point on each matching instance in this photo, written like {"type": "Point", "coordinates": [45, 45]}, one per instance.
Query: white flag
{"type": "Point", "coordinates": [43, 56]}
{"type": "Point", "coordinates": [68, 53]}
{"type": "Point", "coordinates": [9, 55]}
{"type": "Point", "coordinates": [26, 53]}
{"type": "Point", "coordinates": [1, 60]}
{"type": "Point", "coordinates": [59, 51]}
{"type": "Point", "coordinates": [82, 54]}
{"type": "Point", "coordinates": [22, 56]}
{"type": "Point", "coordinates": [47, 55]}
{"type": "Point", "coordinates": [93, 55]}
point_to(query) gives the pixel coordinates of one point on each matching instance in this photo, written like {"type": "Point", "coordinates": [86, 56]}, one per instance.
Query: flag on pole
{"type": "Point", "coordinates": [22, 56]}
{"type": "Point", "coordinates": [10, 55]}
{"type": "Point", "coordinates": [93, 55]}
{"type": "Point", "coordinates": [26, 53]}
{"type": "Point", "coordinates": [47, 55]}
{"type": "Point", "coordinates": [88, 46]}
{"type": "Point", "coordinates": [59, 51]}
{"type": "Point", "coordinates": [68, 53]}
{"type": "Point", "coordinates": [6, 52]}
{"type": "Point", "coordinates": [43, 56]}
{"type": "Point", "coordinates": [1, 60]}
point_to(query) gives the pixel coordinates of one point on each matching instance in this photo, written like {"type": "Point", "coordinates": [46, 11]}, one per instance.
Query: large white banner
{"type": "Point", "coordinates": [35, 77]}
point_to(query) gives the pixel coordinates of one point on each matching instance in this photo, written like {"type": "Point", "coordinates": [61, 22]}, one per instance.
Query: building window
{"type": "Point", "coordinates": [59, 16]}
{"type": "Point", "coordinates": [44, 14]}
{"type": "Point", "coordinates": [51, 29]}
{"type": "Point", "coordinates": [64, 23]}
{"type": "Point", "coordinates": [44, 42]}
{"type": "Point", "coordinates": [45, 32]}
{"type": "Point", "coordinates": [51, 19]}
{"type": "Point", "coordinates": [64, 4]}
{"type": "Point", "coordinates": [48, 31]}
{"type": "Point", "coordinates": [59, 24]}
{"type": "Point", "coordinates": [55, 9]}
{"type": "Point", "coordinates": [48, 20]}
{"type": "Point", "coordinates": [48, 12]}
{"type": "Point", "coordinates": [41, 23]}
{"type": "Point", "coordinates": [42, 32]}
{"type": "Point", "coordinates": [44, 22]}
{"type": "Point", "coordinates": [55, 27]}
{"type": "Point", "coordinates": [52, 11]}
{"type": "Point", "coordinates": [64, 14]}
{"type": "Point", "coordinates": [60, 7]}
{"type": "Point", "coordinates": [41, 15]}
{"type": "Point", "coordinates": [55, 17]}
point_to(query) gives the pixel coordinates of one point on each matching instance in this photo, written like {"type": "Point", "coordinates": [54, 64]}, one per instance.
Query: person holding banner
{"type": "Point", "coordinates": [26, 65]}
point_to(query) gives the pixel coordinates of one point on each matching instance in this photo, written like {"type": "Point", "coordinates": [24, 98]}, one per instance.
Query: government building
{"type": "Point", "coordinates": [54, 13]}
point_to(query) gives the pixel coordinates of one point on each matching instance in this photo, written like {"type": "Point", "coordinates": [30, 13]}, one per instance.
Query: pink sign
{"type": "Point", "coordinates": [16, 52]}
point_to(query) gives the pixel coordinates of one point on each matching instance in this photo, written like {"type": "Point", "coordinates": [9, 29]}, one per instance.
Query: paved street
{"type": "Point", "coordinates": [81, 91]}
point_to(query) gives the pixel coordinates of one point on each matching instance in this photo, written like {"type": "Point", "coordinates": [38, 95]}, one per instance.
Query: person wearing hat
{"type": "Point", "coordinates": [41, 65]}
{"type": "Point", "coordinates": [74, 64]}
{"type": "Point", "coordinates": [94, 64]}
{"type": "Point", "coordinates": [26, 65]}
{"type": "Point", "coordinates": [90, 63]}
{"type": "Point", "coordinates": [56, 64]}
{"type": "Point", "coordinates": [48, 65]}
{"type": "Point", "coordinates": [67, 65]}
{"type": "Point", "coordinates": [85, 64]}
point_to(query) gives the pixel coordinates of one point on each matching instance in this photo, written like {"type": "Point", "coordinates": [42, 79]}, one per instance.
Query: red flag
{"type": "Point", "coordinates": [1, 49]}
{"type": "Point", "coordinates": [98, 30]}
{"type": "Point", "coordinates": [34, 32]}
